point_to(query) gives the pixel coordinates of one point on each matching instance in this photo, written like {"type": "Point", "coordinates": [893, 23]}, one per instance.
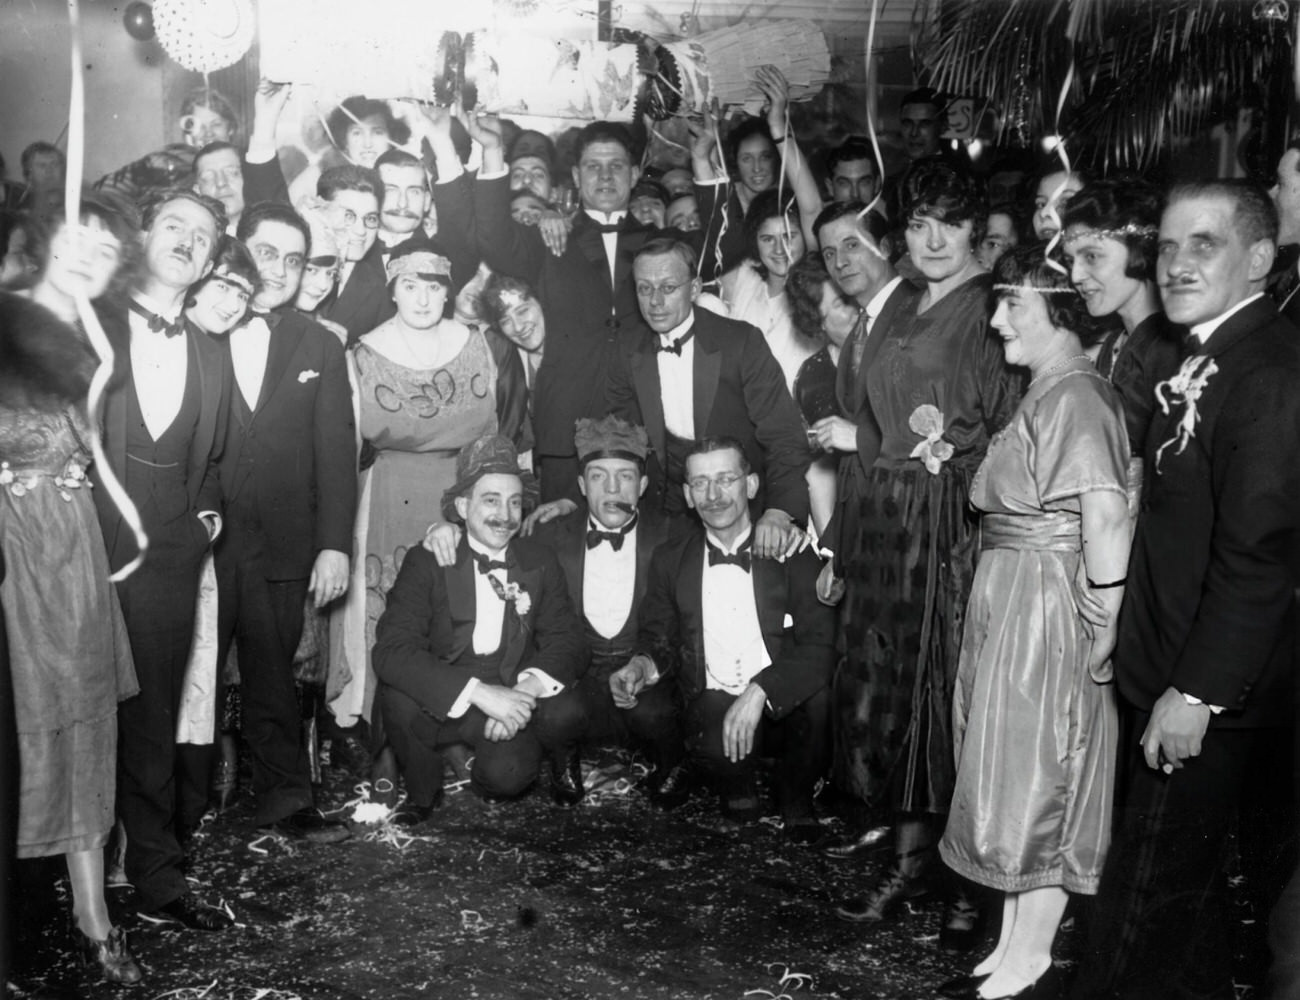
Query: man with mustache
{"type": "Point", "coordinates": [288, 474]}
{"type": "Point", "coordinates": [746, 642]}
{"type": "Point", "coordinates": [164, 421]}
{"type": "Point", "coordinates": [1204, 660]}
{"type": "Point", "coordinates": [605, 551]}
{"type": "Point", "coordinates": [484, 652]}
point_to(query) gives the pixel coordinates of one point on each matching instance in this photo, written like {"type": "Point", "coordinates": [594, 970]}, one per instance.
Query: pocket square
{"type": "Point", "coordinates": [787, 622]}
{"type": "Point", "coordinates": [306, 375]}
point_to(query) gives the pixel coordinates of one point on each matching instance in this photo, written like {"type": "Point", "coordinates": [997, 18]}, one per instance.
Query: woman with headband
{"type": "Point", "coordinates": [71, 662]}
{"type": "Point", "coordinates": [1034, 717]}
{"type": "Point", "coordinates": [426, 386]}
{"type": "Point", "coordinates": [939, 390]}
{"type": "Point", "coordinates": [1109, 241]}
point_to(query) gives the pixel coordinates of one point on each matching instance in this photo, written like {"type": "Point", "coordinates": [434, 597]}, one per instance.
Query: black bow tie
{"type": "Point", "coordinates": [486, 565]}
{"type": "Point", "coordinates": [676, 346]}
{"type": "Point", "coordinates": [615, 538]}
{"type": "Point", "coordinates": [606, 227]}
{"type": "Point", "coordinates": [157, 323]}
{"type": "Point", "coordinates": [739, 558]}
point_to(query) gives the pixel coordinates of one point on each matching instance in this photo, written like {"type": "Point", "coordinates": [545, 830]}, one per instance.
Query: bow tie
{"type": "Point", "coordinates": [676, 346]}
{"type": "Point", "coordinates": [157, 323]}
{"type": "Point", "coordinates": [607, 227]}
{"type": "Point", "coordinates": [487, 565]}
{"type": "Point", "coordinates": [615, 538]}
{"type": "Point", "coordinates": [739, 558]}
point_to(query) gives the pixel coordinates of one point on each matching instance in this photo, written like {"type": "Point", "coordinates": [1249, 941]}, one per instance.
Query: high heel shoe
{"type": "Point", "coordinates": [112, 956]}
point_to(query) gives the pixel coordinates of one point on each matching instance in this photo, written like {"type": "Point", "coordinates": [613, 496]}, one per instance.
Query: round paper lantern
{"type": "Point", "coordinates": [138, 19]}
{"type": "Point", "coordinates": [205, 35]}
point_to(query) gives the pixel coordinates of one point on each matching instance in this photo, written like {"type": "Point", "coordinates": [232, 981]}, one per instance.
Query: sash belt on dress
{"type": "Point", "coordinates": [1056, 532]}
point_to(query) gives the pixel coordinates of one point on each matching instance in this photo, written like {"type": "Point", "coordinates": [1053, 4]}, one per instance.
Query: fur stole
{"type": "Point", "coordinates": [45, 364]}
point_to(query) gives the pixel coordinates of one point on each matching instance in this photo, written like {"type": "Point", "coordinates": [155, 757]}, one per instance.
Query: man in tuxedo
{"type": "Point", "coordinates": [165, 414]}
{"type": "Point", "coordinates": [585, 289]}
{"type": "Point", "coordinates": [484, 652]}
{"type": "Point", "coordinates": [605, 551]}
{"type": "Point", "coordinates": [362, 302]}
{"type": "Point", "coordinates": [288, 474]}
{"type": "Point", "coordinates": [746, 641]}
{"type": "Point", "coordinates": [694, 374]}
{"type": "Point", "coordinates": [1204, 659]}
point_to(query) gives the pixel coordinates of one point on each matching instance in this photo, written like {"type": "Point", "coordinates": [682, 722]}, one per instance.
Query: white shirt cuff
{"type": "Point", "coordinates": [260, 154]}
{"type": "Point", "coordinates": [504, 172]}
{"type": "Point", "coordinates": [550, 686]}
{"type": "Point", "coordinates": [461, 705]}
{"type": "Point", "coordinates": [1191, 699]}
{"type": "Point", "coordinates": [450, 175]}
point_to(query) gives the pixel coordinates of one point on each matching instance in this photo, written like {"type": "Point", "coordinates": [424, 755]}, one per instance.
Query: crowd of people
{"type": "Point", "coordinates": [968, 496]}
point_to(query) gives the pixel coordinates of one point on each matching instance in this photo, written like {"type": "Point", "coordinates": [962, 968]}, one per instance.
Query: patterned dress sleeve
{"type": "Point", "coordinates": [1080, 442]}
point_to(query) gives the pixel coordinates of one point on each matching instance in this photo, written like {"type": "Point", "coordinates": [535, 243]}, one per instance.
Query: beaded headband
{"type": "Point", "coordinates": [421, 263]}
{"type": "Point", "coordinates": [1041, 290]}
{"type": "Point", "coordinates": [1128, 229]}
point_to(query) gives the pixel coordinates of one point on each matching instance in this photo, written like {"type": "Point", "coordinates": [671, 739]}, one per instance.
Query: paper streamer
{"type": "Point", "coordinates": [871, 118]}
{"type": "Point", "coordinates": [89, 321]}
{"type": "Point", "coordinates": [1065, 161]}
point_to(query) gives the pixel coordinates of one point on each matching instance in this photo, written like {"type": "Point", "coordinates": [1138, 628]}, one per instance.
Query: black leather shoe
{"type": "Point", "coordinates": [889, 895]}
{"type": "Point", "coordinates": [669, 787]}
{"type": "Point", "coordinates": [960, 987]}
{"type": "Point", "coordinates": [857, 844]}
{"type": "Point", "coordinates": [566, 780]}
{"type": "Point", "coordinates": [408, 814]}
{"type": "Point", "coordinates": [189, 912]}
{"type": "Point", "coordinates": [311, 826]}
{"type": "Point", "coordinates": [963, 925]}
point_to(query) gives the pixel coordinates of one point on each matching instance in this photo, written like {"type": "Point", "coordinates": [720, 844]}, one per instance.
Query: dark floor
{"type": "Point", "coordinates": [516, 901]}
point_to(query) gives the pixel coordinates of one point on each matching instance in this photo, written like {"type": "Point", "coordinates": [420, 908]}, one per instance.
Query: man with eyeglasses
{"type": "Point", "coordinates": [352, 195]}
{"type": "Point", "coordinates": [694, 374]}
{"type": "Point", "coordinates": [288, 475]}
{"type": "Point", "coordinates": [745, 640]}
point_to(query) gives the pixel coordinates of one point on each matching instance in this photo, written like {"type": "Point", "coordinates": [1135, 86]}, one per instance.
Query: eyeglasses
{"type": "Point", "coordinates": [370, 220]}
{"type": "Point", "coordinates": [267, 254]}
{"type": "Point", "coordinates": [700, 484]}
{"type": "Point", "coordinates": [646, 290]}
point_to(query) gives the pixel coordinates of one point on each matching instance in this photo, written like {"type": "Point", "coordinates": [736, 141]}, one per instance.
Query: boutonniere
{"type": "Point", "coordinates": [1184, 387]}
{"type": "Point", "coordinates": [927, 420]}
{"type": "Point", "coordinates": [306, 375]}
{"type": "Point", "coordinates": [515, 594]}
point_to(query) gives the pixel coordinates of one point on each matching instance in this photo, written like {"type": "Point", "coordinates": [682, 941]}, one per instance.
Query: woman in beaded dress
{"type": "Point", "coordinates": [425, 386]}
{"type": "Point", "coordinates": [1109, 238]}
{"type": "Point", "coordinates": [939, 389]}
{"type": "Point", "coordinates": [1034, 717]}
{"type": "Point", "coordinates": [70, 658]}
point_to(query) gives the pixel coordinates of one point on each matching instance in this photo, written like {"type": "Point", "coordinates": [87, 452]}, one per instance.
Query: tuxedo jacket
{"type": "Point", "coordinates": [1208, 609]}
{"type": "Point", "coordinates": [587, 314]}
{"type": "Point", "coordinates": [428, 625]}
{"type": "Point", "coordinates": [214, 376]}
{"type": "Point", "coordinates": [739, 390]}
{"type": "Point", "coordinates": [567, 538]}
{"type": "Point", "coordinates": [672, 627]}
{"type": "Point", "coordinates": [288, 471]}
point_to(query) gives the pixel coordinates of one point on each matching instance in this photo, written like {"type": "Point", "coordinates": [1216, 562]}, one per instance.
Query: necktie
{"type": "Point", "coordinates": [719, 558]}
{"type": "Point", "coordinates": [615, 538]}
{"type": "Point", "coordinates": [676, 346]}
{"type": "Point", "coordinates": [157, 323]}
{"type": "Point", "coordinates": [486, 565]}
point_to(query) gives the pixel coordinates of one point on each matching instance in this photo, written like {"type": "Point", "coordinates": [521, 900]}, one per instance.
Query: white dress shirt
{"type": "Point", "coordinates": [159, 366]}
{"type": "Point", "coordinates": [677, 381]}
{"type": "Point", "coordinates": [249, 345]}
{"type": "Point", "coordinates": [608, 583]}
{"type": "Point", "coordinates": [734, 651]}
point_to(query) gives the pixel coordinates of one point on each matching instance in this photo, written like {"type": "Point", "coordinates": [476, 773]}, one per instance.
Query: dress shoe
{"type": "Point", "coordinates": [311, 826]}
{"type": "Point", "coordinates": [566, 780]}
{"type": "Point", "coordinates": [890, 893]}
{"type": "Point", "coordinates": [961, 986]}
{"type": "Point", "coordinates": [187, 910]}
{"type": "Point", "coordinates": [963, 925]}
{"type": "Point", "coordinates": [669, 787]}
{"type": "Point", "coordinates": [112, 956]}
{"type": "Point", "coordinates": [408, 814]}
{"type": "Point", "coordinates": [857, 844]}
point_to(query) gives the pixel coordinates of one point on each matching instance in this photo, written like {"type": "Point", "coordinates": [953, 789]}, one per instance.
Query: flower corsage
{"type": "Point", "coordinates": [516, 595]}
{"type": "Point", "coordinates": [927, 420]}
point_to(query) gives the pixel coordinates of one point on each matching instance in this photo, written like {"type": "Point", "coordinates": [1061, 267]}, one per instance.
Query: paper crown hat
{"type": "Point", "coordinates": [610, 437]}
{"type": "Point", "coordinates": [490, 454]}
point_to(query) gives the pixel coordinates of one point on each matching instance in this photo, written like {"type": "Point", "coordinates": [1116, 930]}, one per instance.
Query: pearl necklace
{"type": "Point", "coordinates": [1057, 367]}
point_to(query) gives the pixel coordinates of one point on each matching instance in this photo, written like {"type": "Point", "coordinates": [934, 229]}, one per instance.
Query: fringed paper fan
{"type": "Point", "coordinates": [205, 35]}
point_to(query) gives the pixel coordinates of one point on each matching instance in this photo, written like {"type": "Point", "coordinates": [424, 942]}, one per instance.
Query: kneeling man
{"type": "Point", "coordinates": [747, 641]}
{"type": "Point", "coordinates": [485, 651]}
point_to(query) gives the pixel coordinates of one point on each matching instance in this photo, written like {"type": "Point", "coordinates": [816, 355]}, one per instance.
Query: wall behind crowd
{"type": "Point", "coordinates": [124, 84]}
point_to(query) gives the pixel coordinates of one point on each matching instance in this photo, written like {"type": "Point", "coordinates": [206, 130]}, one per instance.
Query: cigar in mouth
{"type": "Point", "coordinates": [626, 508]}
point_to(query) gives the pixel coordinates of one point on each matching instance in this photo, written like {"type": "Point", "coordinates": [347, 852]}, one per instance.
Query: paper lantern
{"type": "Point", "coordinates": [205, 35]}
